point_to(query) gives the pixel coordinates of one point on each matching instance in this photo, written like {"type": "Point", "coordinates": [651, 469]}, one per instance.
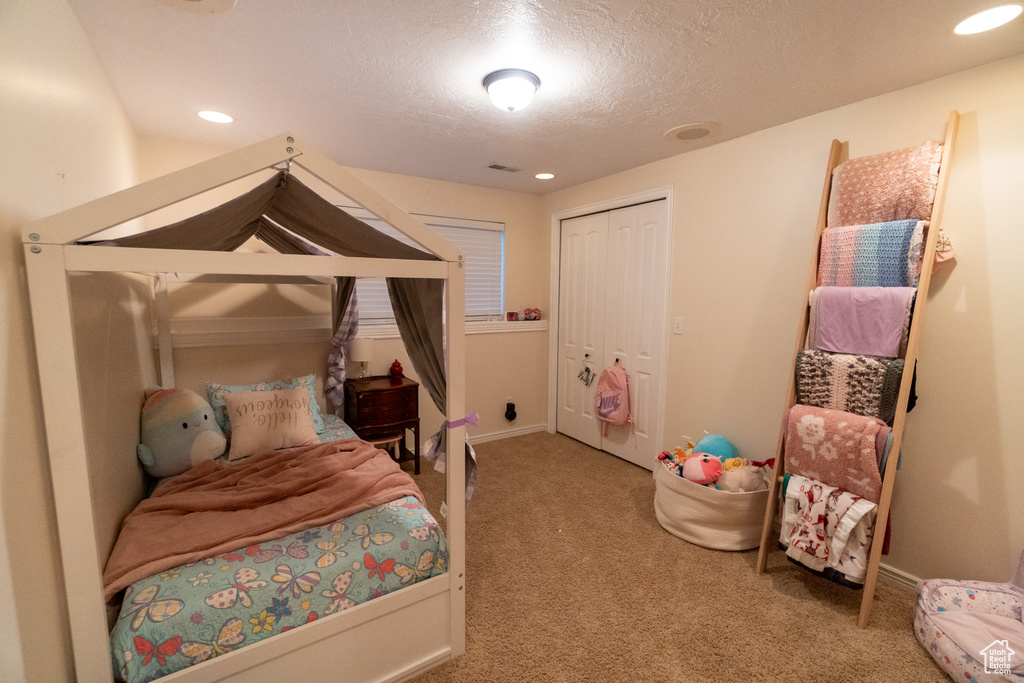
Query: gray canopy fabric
{"type": "Point", "coordinates": [293, 219]}
{"type": "Point", "coordinates": [280, 202]}
{"type": "Point", "coordinates": [418, 305]}
{"type": "Point", "coordinates": [285, 242]}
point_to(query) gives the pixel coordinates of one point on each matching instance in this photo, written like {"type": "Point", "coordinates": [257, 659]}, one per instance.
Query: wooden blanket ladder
{"type": "Point", "coordinates": [769, 534]}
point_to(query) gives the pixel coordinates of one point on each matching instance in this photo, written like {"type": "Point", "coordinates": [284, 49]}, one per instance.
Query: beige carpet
{"type": "Point", "coordinates": [570, 578]}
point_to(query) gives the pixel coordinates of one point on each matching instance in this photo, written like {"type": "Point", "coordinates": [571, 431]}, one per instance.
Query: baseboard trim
{"type": "Point", "coordinates": [507, 434]}
{"type": "Point", "coordinates": [891, 575]}
{"type": "Point", "coordinates": [898, 577]}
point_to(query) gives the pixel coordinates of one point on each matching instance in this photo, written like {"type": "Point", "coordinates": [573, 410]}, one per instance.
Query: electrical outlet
{"type": "Point", "coordinates": [508, 399]}
{"type": "Point", "coordinates": [677, 325]}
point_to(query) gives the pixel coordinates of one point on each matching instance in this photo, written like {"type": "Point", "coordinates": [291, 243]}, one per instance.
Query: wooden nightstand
{"type": "Point", "coordinates": [381, 406]}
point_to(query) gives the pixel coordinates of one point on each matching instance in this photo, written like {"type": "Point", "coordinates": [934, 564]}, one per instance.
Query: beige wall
{"type": "Point", "coordinates": [64, 140]}
{"type": "Point", "coordinates": [498, 365]}
{"type": "Point", "coordinates": [743, 220]}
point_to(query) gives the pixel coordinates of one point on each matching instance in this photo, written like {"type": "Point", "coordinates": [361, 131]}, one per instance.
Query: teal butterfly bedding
{"type": "Point", "coordinates": [189, 613]}
{"type": "Point", "coordinates": [197, 611]}
{"type": "Point", "coordinates": [335, 428]}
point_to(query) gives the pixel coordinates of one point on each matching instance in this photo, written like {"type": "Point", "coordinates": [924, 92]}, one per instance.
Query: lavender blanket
{"type": "Point", "coordinates": [868, 321]}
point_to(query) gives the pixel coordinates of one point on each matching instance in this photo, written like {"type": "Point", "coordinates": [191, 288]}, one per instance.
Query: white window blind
{"type": "Point", "coordinates": [482, 243]}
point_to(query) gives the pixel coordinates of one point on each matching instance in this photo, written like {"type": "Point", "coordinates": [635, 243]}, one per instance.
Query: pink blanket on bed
{"type": "Point", "coordinates": [220, 506]}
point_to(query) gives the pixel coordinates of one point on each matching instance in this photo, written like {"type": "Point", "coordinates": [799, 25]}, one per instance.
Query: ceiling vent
{"type": "Point", "coordinates": [200, 6]}
{"type": "Point", "coordinates": [691, 132]}
{"type": "Point", "coordinates": [502, 167]}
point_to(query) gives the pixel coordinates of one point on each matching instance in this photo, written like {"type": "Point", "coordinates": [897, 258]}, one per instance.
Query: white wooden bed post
{"type": "Point", "coordinates": [65, 441]}
{"type": "Point", "coordinates": [456, 455]}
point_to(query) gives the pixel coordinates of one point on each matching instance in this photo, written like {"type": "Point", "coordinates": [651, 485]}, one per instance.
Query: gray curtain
{"type": "Point", "coordinates": [281, 201]}
{"type": "Point", "coordinates": [418, 304]}
{"type": "Point", "coordinates": [283, 242]}
{"type": "Point", "coordinates": [224, 228]}
{"type": "Point", "coordinates": [312, 217]}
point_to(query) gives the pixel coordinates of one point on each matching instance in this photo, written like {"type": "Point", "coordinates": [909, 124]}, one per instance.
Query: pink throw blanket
{"type": "Point", "coordinates": [220, 506]}
{"type": "Point", "coordinates": [836, 448]}
{"type": "Point", "coordinates": [891, 186]}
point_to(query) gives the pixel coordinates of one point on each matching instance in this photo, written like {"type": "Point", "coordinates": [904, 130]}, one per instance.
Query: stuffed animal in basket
{"type": "Point", "coordinates": [716, 444]}
{"type": "Point", "coordinates": [177, 432]}
{"type": "Point", "coordinates": [737, 476]}
{"type": "Point", "coordinates": [702, 468]}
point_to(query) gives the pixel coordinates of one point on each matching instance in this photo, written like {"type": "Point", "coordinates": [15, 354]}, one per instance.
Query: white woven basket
{"type": "Point", "coordinates": [708, 517]}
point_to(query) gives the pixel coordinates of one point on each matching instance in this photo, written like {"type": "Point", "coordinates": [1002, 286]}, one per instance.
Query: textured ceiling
{"type": "Point", "coordinates": [396, 86]}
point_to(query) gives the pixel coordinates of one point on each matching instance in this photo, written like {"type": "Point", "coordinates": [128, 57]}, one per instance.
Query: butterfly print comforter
{"type": "Point", "coordinates": [217, 506]}
{"type": "Point", "coordinates": [190, 613]}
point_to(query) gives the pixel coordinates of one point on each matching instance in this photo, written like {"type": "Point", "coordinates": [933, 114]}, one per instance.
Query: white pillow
{"type": "Point", "coordinates": [268, 420]}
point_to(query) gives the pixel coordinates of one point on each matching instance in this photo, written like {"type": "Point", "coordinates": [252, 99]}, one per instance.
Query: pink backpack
{"type": "Point", "coordinates": [611, 401]}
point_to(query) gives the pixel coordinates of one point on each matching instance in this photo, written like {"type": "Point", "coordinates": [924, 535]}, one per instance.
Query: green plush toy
{"type": "Point", "coordinates": [178, 432]}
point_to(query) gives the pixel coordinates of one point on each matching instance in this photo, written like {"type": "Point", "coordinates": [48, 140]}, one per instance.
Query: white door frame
{"type": "Point", "coordinates": [556, 247]}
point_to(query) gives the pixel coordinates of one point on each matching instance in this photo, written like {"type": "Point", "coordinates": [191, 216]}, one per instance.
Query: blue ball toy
{"type": "Point", "coordinates": [716, 444]}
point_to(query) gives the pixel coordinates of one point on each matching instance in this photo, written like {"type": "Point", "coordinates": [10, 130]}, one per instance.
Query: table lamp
{"type": "Point", "coordinates": [361, 351]}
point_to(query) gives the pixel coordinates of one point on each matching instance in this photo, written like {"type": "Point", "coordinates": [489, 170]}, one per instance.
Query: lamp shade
{"type": "Point", "coordinates": [511, 89]}
{"type": "Point", "coordinates": [360, 350]}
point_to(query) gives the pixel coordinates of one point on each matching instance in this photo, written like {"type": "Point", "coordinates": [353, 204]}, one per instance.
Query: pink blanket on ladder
{"type": "Point", "coordinates": [220, 506]}
{"type": "Point", "coordinates": [836, 448]}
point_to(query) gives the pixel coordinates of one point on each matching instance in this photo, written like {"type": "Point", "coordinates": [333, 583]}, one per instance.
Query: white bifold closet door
{"type": "Point", "coordinates": [613, 284]}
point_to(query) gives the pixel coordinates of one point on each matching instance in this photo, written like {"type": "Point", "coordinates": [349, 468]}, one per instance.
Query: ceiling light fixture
{"type": "Point", "coordinates": [511, 89]}
{"type": "Point", "coordinates": [988, 19]}
{"type": "Point", "coordinates": [215, 116]}
{"type": "Point", "coordinates": [544, 176]}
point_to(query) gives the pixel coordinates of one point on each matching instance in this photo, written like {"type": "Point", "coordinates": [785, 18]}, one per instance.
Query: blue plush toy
{"type": "Point", "coordinates": [178, 432]}
{"type": "Point", "coordinates": [716, 444]}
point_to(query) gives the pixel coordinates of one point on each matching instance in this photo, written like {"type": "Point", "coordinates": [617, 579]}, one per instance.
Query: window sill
{"type": "Point", "coordinates": [203, 332]}
{"type": "Point", "coordinates": [472, 327]}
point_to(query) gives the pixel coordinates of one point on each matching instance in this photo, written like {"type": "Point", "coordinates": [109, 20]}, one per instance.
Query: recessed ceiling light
{"type": "Point", "coordinates": [215, 116]}
{"type": "Point", "coordinates": [988, 19]}
{"type": "Point", "coordinates": [511, 89]}
{"type": "Point", "coordinates": [689, 132]}
{"type": "Point", "coordinates": [544, 176]}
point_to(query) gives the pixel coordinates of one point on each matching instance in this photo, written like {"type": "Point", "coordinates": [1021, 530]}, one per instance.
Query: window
{"type": "Point", "coordinates": [482, 243]}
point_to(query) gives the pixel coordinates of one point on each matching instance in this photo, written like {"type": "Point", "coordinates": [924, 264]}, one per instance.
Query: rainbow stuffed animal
{"type": "Point", "coordinates": [177, 432]}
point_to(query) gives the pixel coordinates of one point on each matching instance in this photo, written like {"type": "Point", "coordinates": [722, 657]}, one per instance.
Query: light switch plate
{"type": "Point", "coordinates": [677, 325]}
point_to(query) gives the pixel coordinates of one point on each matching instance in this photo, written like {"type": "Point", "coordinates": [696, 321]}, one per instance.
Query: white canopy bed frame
{"type": "Point", "coordinates": [354, 643]}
